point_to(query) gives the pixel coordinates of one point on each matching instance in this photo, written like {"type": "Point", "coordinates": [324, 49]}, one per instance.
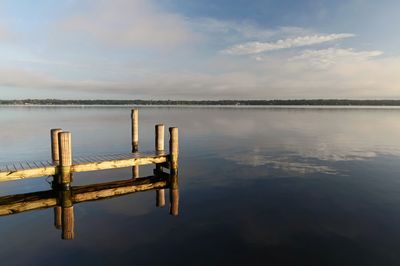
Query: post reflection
{"type": "Point", "coordinates": [174, 193]}
{"type": "Point", "coordinates": [62, 197]}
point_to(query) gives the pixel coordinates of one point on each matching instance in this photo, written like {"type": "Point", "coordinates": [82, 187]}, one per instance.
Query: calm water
{"type": "Point", "coordinates": [257, 187]}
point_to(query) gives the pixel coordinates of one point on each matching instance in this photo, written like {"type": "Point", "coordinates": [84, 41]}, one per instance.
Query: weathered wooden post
{"type": "Point", "coordinates": [174, 188]}
{"type": "Point", "coordinates": [174, 194]}
{"type": "Point", "coordinates": [55, 153]}
{"type": "Point", "coordinates": [159, 141]}
{"type": "Point", "coordinates": [55, 157]}
{"type": "Point", "coordinates": [159, 146]}
{"type": "Point", "coordinates": [174, 147]}
{"type": "Point", "coordinates": [67, 213]}
{"type": "Point", "coordinates": [135, 171]}
{"type": "Point", "coordinates": [65, 149]}
{"type": "Point", "coordinates": [58, 217]}
{"type": "Point", "coordinates": [135, 129]}
{"type": "Point", "coordinates": [135, 138]}
{"type": "Point", "coordinates": [67, 210]}
{"type": "Point", "coordinates": [160, 198]}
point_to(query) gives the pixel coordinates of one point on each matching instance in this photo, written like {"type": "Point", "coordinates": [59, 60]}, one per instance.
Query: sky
{"type": "Point", "coordinates": [209, 49]}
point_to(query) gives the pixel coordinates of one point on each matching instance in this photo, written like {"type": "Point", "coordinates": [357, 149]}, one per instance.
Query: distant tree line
{"type": "Point", "coordinates": [314, 102]}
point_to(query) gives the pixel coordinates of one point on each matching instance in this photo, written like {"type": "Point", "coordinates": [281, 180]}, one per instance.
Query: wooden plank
{"type": "Point", "coordinates": [47, 168]}
{"type": "Point", "coordinates": [77, 161]}
{"type": "Point", "coordinates": [110, 157]}
{"type": "Point", "coordinates": [25, 202]}
{"type": "Point", "coordinates": [121, 163]}
{"type": "Point", "coordinates": [3, 168]}
{"type": "Point", "coordinates": [26, 165]}
{"type": "Point", "coordinates": [116, 188]}
{"type": "Point", "coordinates": [99, 158]}
{"type": "Point", "coordinates": [119, 156]}
{"type": "Point", "coordinates": [28, 173]}
{"type": "Point", "coordinates": [22, 166]}
{"type": "Point", "coordinates": [80, 159]}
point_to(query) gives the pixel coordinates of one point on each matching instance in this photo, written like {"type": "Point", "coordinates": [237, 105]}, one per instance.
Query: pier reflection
{"type": "Point", "coordinates": [63, 198]}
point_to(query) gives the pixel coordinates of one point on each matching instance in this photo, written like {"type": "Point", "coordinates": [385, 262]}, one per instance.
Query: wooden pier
{"type": "Point", "coordinates": [63, 195]}
{"type": "Point", "coordinates": [63, 163]}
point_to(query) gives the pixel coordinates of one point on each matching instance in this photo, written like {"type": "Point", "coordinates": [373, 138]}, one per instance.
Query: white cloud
{"type": "Point", "coordinates": [277, 77]}
{"type": "Point", "coordinates": [244, 30]}
{"type": "Point", "coordinates": [259, 47]}
{"type": "Point", "coordinates": [231, 28]}
{"type": "Point", "coordinates": [18, 78]}
{"type": "Point", "coordinates": [126, 23]}
{"type": "Point", "coordinates": [326, 57]}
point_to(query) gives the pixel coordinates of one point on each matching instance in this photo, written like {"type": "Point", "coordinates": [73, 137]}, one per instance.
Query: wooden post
{"type": "Point", "coordinates": [67, 211]}
{"type": "Point", "coordinates": [159, 134]}
{"type": "Point", "coordinates": [174, 193]}
{"type": "Point", "coordinates": [174, 147]}
{"type": "Point", "coordinates": [55, 154]}
{"type": "Point", "coordinates": [57, 217]}
{"type": "Point", "coordinates": [135, 129]}
{"type": "Point", "coordinates": [135, 138]}
{"type": "Point", "coordinates": [135, 171]}
{"type": "Point", "coordinates": [68, 232]}
{"type": "Point", "coordinates": [174, 189]}
{"type": "Point", "coordinates": [160, 198]}
{"type": "Point", "coordinates": [65, 149]}
{"type": "Point", "coordinates": [159, 145]}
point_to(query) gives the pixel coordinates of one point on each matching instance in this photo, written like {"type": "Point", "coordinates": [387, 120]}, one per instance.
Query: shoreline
{"type": "Point", "coordinates": [205, 106]}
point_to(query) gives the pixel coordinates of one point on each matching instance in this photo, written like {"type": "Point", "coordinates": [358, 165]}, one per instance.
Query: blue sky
{"type": "Point", "coordinates": [199, 49]}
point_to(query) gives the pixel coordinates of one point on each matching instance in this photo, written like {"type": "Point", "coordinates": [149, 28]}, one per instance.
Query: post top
{"type": "Point", "coordinates": [64, 133]}
{"type": "Point", "coordinates": [134, 112]}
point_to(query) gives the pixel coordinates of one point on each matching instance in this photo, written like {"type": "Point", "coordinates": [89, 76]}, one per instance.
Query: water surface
{"type": "Point", "coordinates": [258, 186]}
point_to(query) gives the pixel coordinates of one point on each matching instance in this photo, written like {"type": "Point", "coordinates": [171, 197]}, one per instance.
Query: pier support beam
{"type": "Point", "coordinates": [174, 193]}
{"type": "Point", "coordinates": [135, 138]}
{"type": "Point", "coordinates": [159, 146]}
{"type": "Point", "coordinates": [135, 130]}
{"type": "Point", "coordinates": [174, 147]}
{"type": "Point", "coordinates": [160, 198]}
{"type": "Point", "coordinates": [135, 171]}
{"type": "Point", "coordinates": [159, 137]}
{"type": "Point", "coordinates": [67, 215]}
{"type": "Point", "coordinates": [55, 152]}
{"type": "Point", "coordinates": [65, 149]}
{"type": "Point", "coordinates": [174, 188]}
{"type": "Point", "coordinates": [58, 217]}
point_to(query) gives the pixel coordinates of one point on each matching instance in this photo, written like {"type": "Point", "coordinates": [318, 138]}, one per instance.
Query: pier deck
{"type": "Point", "coordinates": [21, 170]}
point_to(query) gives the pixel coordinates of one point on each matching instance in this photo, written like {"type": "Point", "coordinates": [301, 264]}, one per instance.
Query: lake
{"type": "Point", "coordinates": [258, 186]}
